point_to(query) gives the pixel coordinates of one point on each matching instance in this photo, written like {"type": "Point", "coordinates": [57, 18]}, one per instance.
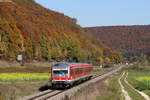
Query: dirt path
{"type": "Point", "coordinates": [141, 93]}
{"type": "Point", "coordinates": [124, 92]}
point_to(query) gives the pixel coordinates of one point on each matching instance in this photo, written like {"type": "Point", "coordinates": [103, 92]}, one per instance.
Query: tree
{"type": "Point", "coordinates": [75, 20]}
{"type": "Point", "coordinates": [44, 46]}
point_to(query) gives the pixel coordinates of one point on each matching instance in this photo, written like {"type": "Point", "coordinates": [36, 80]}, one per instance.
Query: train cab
{"type": "Point", "coordinates": [60, 75]}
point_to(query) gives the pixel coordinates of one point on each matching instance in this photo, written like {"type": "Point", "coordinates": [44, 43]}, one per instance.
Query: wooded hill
{"type": "Point", "coordinates": [39, 33]}
{"type": "Point", "coordinates": [130, 40]}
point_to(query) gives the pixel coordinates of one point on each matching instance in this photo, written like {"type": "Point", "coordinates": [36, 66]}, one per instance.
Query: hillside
{"type": "Point", "coordinates": [130, 40]}
{"type": "Point", "coordinates": [39, 33]}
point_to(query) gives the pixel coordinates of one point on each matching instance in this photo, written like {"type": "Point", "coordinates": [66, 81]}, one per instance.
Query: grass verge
{"type": "Point", "coordinates": [113, 90]}
{"type": "Point", "coordinates": [134, 74]}
{"type": "Point", "coordinates": [132, 93]}
{"type": "Point", "coordinates": [97, 68]}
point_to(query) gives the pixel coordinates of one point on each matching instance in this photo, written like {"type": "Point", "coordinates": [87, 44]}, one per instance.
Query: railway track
{"type": "Point", "coordinates": [42, 95]}
{"type": "Point", "coordinates": [52, 94]}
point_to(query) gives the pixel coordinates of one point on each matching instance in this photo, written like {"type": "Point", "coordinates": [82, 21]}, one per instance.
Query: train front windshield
{"type": "Point", "coordinates": [60, 73]}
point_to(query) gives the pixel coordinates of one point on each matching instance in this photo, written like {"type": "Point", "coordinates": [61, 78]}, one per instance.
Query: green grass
{"type": "Point", "coordinates": [113, 91]}
{"type": "Point", "coordinates": [24, 77]}
{"type": "Point", "coordinates": [97, 68]}
{"type": "Point", "coordinates": [147, 92]}
{"type": "Point", "coordinates": [132, 78]}
{"type": "Point", "coordinates": [132, 93]}
{"type": "Point", "coordinates": [143, 83]}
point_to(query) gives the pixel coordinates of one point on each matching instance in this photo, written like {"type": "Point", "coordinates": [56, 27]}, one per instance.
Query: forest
{"type": "Point", "coordinates": [130, 40]}
{"type": "Point", "coordinates": [39, 33]}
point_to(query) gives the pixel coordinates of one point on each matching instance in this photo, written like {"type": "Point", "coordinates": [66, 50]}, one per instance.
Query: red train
{"type": "Point", "coordinates": [68, 74]}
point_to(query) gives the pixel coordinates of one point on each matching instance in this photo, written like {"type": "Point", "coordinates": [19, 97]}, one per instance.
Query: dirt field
{"type": "Point", "coordinates": [13, 91]}
{"type": "Point", "coordinates": [36, 67]}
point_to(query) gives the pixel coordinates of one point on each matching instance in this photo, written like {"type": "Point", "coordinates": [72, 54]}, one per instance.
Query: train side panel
{"type": "Point", "coordinates": [81, 73]}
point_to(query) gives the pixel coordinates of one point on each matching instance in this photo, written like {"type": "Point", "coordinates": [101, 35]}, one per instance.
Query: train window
{"type": "Point", "coordinates": [72, 72]}
{"type": "Point", "coordinates": [60, 73]}
{"type": "Point", "coordinates": [79, 71]}
{"type": "Point", "coordinates": [88, 69]}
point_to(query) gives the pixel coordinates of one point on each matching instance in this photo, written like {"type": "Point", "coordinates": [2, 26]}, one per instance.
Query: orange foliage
{"type": "Point", "coordinates": [40, 33]}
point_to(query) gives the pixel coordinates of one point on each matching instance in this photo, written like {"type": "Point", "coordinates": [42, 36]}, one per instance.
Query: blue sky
{"type": "Point", "coordinates": [103, 12]}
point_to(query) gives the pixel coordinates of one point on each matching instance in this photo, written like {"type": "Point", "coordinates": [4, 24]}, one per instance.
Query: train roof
{"type": "Point", "coordinates": [71, 64]}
